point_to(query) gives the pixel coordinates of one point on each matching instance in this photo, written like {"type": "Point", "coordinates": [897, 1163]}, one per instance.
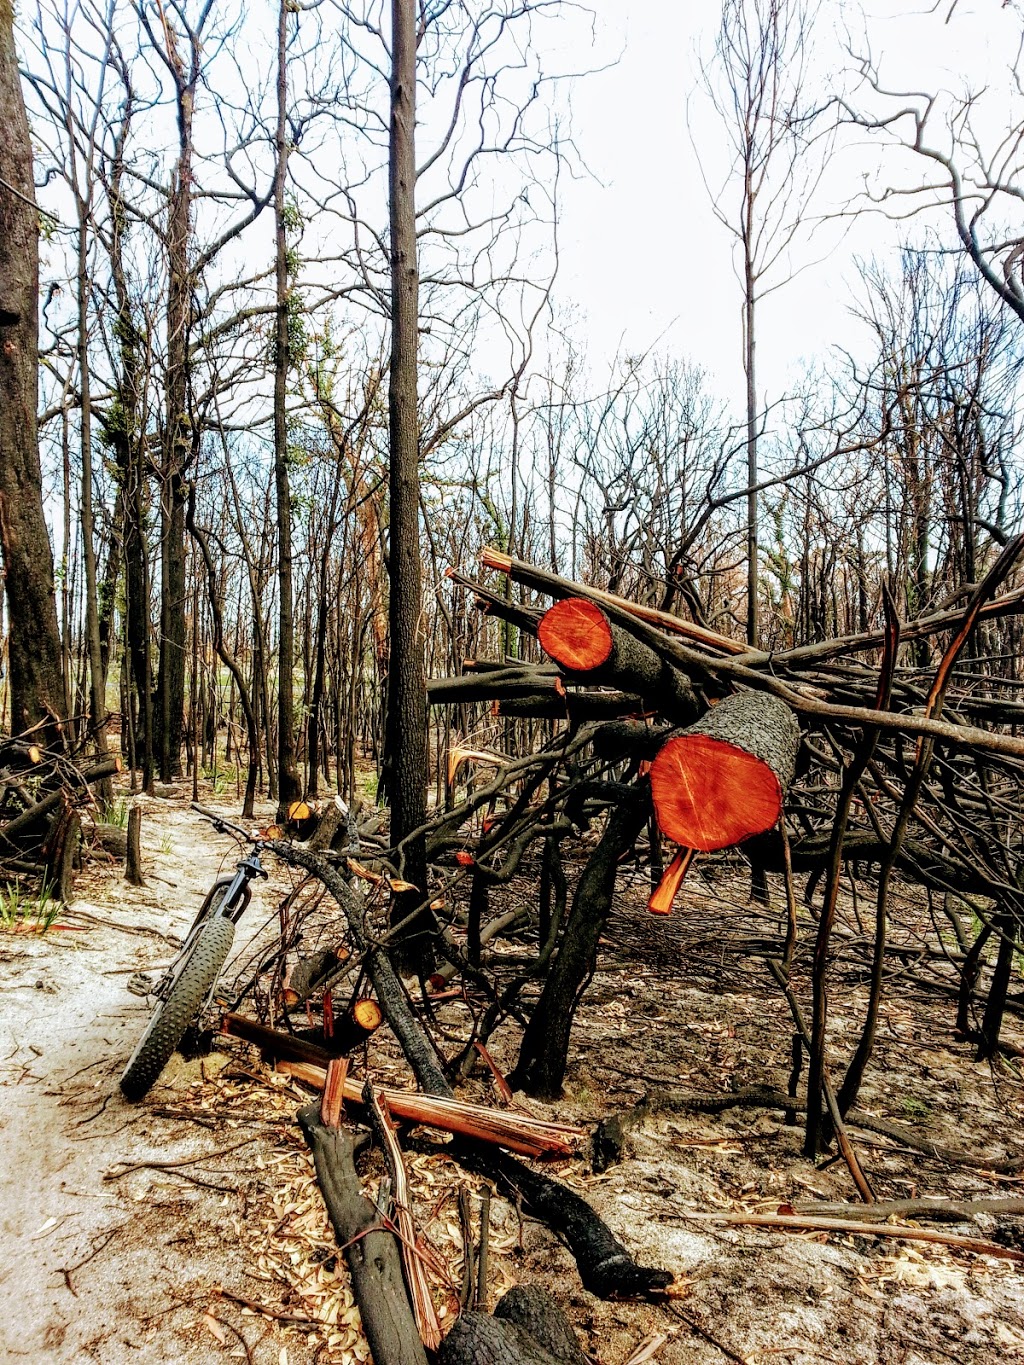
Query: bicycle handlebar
{"type": "Point", "coordinates": [221, 822]}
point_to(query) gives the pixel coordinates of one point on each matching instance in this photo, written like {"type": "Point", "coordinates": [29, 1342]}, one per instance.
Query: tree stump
{"type": "Point", "coordinates": [528, 1328]}
{"type": "Point", "coordinates": [133, 849]}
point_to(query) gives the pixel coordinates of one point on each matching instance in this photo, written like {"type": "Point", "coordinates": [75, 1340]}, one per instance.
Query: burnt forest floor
{"type": "Point", "coordinates": [190, 1228]}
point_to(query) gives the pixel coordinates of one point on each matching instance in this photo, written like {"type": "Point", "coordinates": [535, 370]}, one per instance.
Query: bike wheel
{"type": "Point", "coordinates": [184, 1001]}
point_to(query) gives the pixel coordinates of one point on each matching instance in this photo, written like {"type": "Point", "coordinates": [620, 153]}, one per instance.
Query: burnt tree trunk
{"type": "Point", "coordinates": [177, 434]}
{"type": "Point", "coordinates": [540, 1069]}
{"type": "Point", "coordinates": [528, 1328]}
{"type": "Point", "coordinates": [36, 677]}
{"type": "Point", "coordinates": [406, 737]}
{"type": "Point", "coordinates": [371, 1253]}
{"type": "Point", "coordinates": [289, 788]}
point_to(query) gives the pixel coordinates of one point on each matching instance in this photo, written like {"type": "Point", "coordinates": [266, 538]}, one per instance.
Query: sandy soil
{"type": "Point", "coordinates": [142, 1233]}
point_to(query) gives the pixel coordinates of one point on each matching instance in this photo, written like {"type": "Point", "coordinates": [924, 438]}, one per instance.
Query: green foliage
{"type": "Point", "coordinates": [291, 218]}
{"type": "Point", "coordinates": [21, 914]}
{"type": "Point", "coordinates": [219, 778]}
{"type": "Point", "coordinates": [915, 1109]}
{"type": "Point", "coordinates": [116, 813]}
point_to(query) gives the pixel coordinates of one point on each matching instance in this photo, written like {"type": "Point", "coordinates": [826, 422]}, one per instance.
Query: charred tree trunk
{"type": "Point", "coordinates": [177, 435]}
{"type": "Point", "coordinates": [540, 1069]}
{"type": "Point", "coordinates": [371, 1253]}
{"type": "Point", "coordinates": [528, 1328]}
{"type": "Point", "coordinates": [36, 677]}
{"type": "Point", "coordinates": [406, 741]}
{"type": "Point", "coordinates": [289, 788]}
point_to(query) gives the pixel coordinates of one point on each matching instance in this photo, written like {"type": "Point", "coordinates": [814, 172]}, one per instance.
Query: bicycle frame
{"type": "Point", "coordinates": [231, 897]}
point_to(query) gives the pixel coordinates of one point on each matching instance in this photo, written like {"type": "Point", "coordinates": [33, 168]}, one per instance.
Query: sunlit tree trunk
{"type": "Point", "coordinates": [36, 678]}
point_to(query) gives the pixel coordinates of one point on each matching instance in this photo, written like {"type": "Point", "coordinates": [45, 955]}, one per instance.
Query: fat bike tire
{"type": "Point", "coordinates": [173, 1015]}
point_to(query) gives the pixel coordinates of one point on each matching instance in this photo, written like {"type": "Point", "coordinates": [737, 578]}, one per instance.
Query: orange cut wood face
{"type": "Point", "coordinates": [709, 794]}
{"type": "Point", "coordinates": [576, 634]}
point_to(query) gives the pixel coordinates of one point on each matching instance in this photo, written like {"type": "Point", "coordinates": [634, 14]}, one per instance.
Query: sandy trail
{"type": "Point", "coordinates": [92, 1262]}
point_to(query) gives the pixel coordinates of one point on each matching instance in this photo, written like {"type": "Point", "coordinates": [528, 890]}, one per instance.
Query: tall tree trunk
{"type": "Point", "coordinates": [406, 730]}
{"type": "Point", "coordinates": [289, 787]}
{"type": "Point", "coordinates": [97, 673]}
{"type": "Point", "coordinates": [124, 432]}
{"type": "Point", "coordinates": [177, 433]}
{"type": "Point", "coordinates": [37, 683]}
{"type": "Point", "coordinates": [749, 300]}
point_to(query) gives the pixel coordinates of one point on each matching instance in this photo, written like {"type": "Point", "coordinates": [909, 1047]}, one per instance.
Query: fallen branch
{"type": "Point", "coordinates": [802, 1223]}
{"type": "Point", "coordinates": [416, 1280]}
{"type": "Point", "coordinates": [371, 1252]}
{"type": "Point", "coordinates": [517, 1132]}
{"type": "Point", "coordinates": [938, 1210]}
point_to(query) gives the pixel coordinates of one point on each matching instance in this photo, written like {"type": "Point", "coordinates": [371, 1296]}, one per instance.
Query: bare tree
{"type": "Point", "coordinates": [971, 172]}
{"type": "Point", "coordinates": [757, 85]}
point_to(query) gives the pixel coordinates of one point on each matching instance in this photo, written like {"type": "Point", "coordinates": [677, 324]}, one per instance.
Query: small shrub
{"type": "Point", "coordinates": [21, 914]}
{"type": "Point", "coordinates": [116, 813]}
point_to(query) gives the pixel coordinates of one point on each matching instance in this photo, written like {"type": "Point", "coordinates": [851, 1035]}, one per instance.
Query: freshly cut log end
{"type": "Point", "coordinates": [367, 1014]}
{"type": "Point", "coordinates": [724, 779]}
{"type": "Point", "coordinates": [576, 634]}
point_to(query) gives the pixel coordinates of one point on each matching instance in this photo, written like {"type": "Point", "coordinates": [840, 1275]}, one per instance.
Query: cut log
{"type": "Point", "coordinates": [359, 1022]}
{"type": "Point", "coordinates": [542, 580]}
{"type": "Point", "coordinates": [578, 635]}
{"type": "Point", "coordinates": [725, 778]}
{"type": "Point", "coordinates": [311, 973]}
{"type": "Point", "coordinates": [370, 1252]}
{"type": "Point", "coordinates": [332, 826]}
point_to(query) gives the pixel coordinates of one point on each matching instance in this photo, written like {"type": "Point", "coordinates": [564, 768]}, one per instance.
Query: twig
{"type": "Point", "coordinates": [484, 1256]}
{"type": "Point", "coordinates": [180, 1161]}
{"type": "Point", "coordinates": [304, 1320]}
{"type": "Point", "coordinates": [466, 1228]}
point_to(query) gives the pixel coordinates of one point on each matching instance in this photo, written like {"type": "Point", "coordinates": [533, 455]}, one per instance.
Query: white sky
{"type": "Point", "coordinates": [641, 252]}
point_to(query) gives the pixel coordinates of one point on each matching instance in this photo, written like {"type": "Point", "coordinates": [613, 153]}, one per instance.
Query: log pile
{"type": "Point", "coordinates": [43, 795]}
{"type": "Point", "coordinates": [897, 749]}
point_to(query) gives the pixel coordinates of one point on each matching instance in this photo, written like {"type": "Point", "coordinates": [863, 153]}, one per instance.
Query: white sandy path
{"type": "Point", "coordinates": [67, 1025]}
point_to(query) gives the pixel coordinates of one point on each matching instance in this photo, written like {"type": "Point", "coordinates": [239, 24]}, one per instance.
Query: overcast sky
{"type": "Point", "coordinates": [642, 253]}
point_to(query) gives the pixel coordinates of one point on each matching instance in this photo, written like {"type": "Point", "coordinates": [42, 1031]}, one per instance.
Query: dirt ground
{"type": "Point", "coordinates": [189, 1228]}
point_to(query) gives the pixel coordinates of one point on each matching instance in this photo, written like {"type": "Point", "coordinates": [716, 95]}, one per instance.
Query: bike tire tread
{"type": "Point", "coordinates": [173, 1016]}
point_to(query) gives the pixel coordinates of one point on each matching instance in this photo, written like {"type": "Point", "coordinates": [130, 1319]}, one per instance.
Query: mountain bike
{"type": "Point", "coordinates": [185, 991]}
